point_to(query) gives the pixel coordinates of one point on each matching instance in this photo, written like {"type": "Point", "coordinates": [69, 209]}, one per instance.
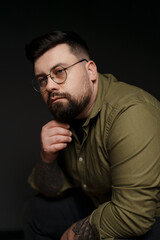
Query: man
{"type": "Point", "coordinates": [98, 175]}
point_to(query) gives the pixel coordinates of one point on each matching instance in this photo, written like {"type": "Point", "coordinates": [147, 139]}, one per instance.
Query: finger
{"type": "Point", "coordinates": [54, 123]}
{"type": "Point", "coordinates": [58, 131]}
{"type": "Point", "coordinates": [56, 147]}
{"type": "Point", "coordinates": [58, 139]}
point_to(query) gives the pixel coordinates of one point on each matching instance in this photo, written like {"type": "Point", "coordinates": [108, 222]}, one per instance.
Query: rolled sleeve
{"type": "Point", "coordinates": [134, 150]}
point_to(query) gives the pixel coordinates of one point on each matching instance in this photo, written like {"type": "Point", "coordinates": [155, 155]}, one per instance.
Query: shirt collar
{"type": "Point", "coordinates": [103, 86]}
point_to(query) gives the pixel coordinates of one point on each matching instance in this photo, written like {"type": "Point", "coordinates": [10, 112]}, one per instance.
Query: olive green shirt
{"type": "Point", "coordinates": [118, 162]}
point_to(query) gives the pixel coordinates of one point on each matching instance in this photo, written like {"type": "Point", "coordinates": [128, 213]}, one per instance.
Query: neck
{"type": "Point", "coordinates": [86, 112]}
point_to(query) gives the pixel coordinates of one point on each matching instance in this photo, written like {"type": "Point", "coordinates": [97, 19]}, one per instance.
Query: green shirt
{"type": "Point", "coordinates": [118, 161]}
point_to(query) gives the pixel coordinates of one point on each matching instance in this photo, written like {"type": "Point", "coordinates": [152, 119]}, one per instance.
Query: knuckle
{"type": "Point", "coordinates": [44, 127]}
{"type": "Point", "coordinates": [43, 132]}
{"type": "Point", "coordinates": [56, 139]}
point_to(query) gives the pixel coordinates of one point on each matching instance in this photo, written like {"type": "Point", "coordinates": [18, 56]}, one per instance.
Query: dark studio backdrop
{"type": "Point", "coordinates": [123, 37]}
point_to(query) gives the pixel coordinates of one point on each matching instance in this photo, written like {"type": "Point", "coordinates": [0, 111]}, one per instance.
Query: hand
{"type": "Point", "coordinates": [54, 137]}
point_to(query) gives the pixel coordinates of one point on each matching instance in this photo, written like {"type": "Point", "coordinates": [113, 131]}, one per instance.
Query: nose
{"type": "Point", "coordinates": [51, 85]}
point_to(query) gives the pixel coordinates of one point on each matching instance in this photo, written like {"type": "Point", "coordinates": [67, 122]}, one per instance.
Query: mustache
{"type": "Point", "coordinates": [57, 94]}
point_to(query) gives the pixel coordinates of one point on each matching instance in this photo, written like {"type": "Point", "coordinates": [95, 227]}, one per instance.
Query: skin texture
{"type": "Point", "coordinates": [81, 83]}
{"type": "Point", "coordinates": [80, 231]}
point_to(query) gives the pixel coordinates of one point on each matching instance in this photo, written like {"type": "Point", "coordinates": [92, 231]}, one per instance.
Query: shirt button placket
{"type": "Point", "coordinates": [81, 168]}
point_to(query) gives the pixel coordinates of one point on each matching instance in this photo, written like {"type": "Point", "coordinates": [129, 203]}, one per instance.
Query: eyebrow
{"type": "Point", "coordinates": [44, 74]}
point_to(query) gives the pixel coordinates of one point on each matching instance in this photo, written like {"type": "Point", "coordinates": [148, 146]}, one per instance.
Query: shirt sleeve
{"type": "Point", "coordinates": [66, 183]}
{"type": "Point", "coordinates": [134, 149]}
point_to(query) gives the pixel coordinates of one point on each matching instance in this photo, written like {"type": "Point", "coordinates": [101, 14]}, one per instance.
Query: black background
{"type": "Point", "coordinates": [123, 37]}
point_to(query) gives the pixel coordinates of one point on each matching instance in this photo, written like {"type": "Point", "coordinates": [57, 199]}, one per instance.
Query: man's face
{"type": "Point", "coordinates": [70, 99]}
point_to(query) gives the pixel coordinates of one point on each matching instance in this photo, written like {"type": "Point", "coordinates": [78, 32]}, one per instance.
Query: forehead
{"type": "Point", "coordinates": [60, 54]}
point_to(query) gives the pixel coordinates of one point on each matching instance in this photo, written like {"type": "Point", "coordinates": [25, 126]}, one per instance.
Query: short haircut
{"type": "Point", "coordinates": [41, 44]}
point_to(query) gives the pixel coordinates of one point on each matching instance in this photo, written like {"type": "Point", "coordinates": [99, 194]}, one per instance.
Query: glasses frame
{"type": "Point", "coordinates": [49, 75]}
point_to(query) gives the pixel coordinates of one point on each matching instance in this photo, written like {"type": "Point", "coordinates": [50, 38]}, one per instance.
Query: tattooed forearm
{"type": "Point", "coordinates": [48, 178]}
{"type": "Point", "coordinates": [83, 231]}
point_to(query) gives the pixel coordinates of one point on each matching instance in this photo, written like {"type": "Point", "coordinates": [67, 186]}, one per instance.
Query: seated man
{"type": "Point", "coordinates": [99, 171]}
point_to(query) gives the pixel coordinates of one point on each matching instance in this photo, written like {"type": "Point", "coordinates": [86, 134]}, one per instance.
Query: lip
{"type": "Point", "coordinates": [55, 99]}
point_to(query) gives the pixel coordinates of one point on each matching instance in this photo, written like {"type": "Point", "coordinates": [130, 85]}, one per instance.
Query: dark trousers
{"type": "Point", "coordinates": [48, 219]}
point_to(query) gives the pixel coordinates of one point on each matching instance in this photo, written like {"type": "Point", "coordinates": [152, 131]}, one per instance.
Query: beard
{"type": "Point", "coordinates": [68, 111]}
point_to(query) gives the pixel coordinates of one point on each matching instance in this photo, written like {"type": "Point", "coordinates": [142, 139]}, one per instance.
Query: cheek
{"type": "Point", "coordinates": [45, 97]}
{"type": "Point", "coordinates": [86, 86]}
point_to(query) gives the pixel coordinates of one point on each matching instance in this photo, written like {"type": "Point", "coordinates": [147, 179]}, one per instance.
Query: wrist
{"type": "Point", "coordinates": [48, 157]}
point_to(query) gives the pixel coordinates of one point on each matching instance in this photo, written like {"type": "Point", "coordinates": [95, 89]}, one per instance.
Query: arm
{"type": "Point", "coordinates": [134, 152]}
{"type": "Point", "coordinates": [81, 230]}
{"type": "Point", "coordinates": [48, 176]}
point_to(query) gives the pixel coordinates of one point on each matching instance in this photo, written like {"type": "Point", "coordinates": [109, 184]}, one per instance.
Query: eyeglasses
{"type": "Point", "coordinates": [58, 74]}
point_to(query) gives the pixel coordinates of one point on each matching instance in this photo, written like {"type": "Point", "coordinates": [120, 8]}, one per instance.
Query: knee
{"type": "Point", "coordinates": [41, 218]}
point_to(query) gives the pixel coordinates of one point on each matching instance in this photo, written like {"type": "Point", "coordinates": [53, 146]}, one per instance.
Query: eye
{"type": "Point", "coordinates": [58, 74]}
{"type": "Point", "coordinates": [41, 80]}
{"type": "Point", "coordinates": [58, 71]}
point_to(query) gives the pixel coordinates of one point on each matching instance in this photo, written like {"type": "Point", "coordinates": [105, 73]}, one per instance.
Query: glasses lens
{"type": "Point", "coordinates": [58, 74]}
{"type": "Point", "coordinates": [39, 84]}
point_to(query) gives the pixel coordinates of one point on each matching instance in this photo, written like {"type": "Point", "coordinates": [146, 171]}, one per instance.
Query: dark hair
{"type": "Point", "coordinates": [40, 45]}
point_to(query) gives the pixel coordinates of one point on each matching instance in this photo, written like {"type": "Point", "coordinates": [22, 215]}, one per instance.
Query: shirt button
{"type": "Point", "coordinates": [81, 159]}
{"type": "Point", "coordinates": [84, 185]}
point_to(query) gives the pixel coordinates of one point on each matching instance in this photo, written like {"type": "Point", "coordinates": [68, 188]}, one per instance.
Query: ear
{"type": "Point", "coordinates": [92, 70]}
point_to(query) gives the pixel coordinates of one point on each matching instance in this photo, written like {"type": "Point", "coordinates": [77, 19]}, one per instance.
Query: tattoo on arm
{"type": "Point", "coordinates": [83, 231]}
{"type": "Point", "coordinates": [48, 178]}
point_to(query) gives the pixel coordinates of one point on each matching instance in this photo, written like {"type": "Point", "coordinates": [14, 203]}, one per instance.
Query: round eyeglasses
{"type": "Point", "coordinates": [58, 74]}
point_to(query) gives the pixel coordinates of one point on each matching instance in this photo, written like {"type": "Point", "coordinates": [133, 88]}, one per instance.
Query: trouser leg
{"type": "Point", "coordinates": [47, 219]}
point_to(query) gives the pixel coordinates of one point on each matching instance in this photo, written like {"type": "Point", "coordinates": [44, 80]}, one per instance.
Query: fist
{"type": "Point", "coordinates": [54, 138]}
